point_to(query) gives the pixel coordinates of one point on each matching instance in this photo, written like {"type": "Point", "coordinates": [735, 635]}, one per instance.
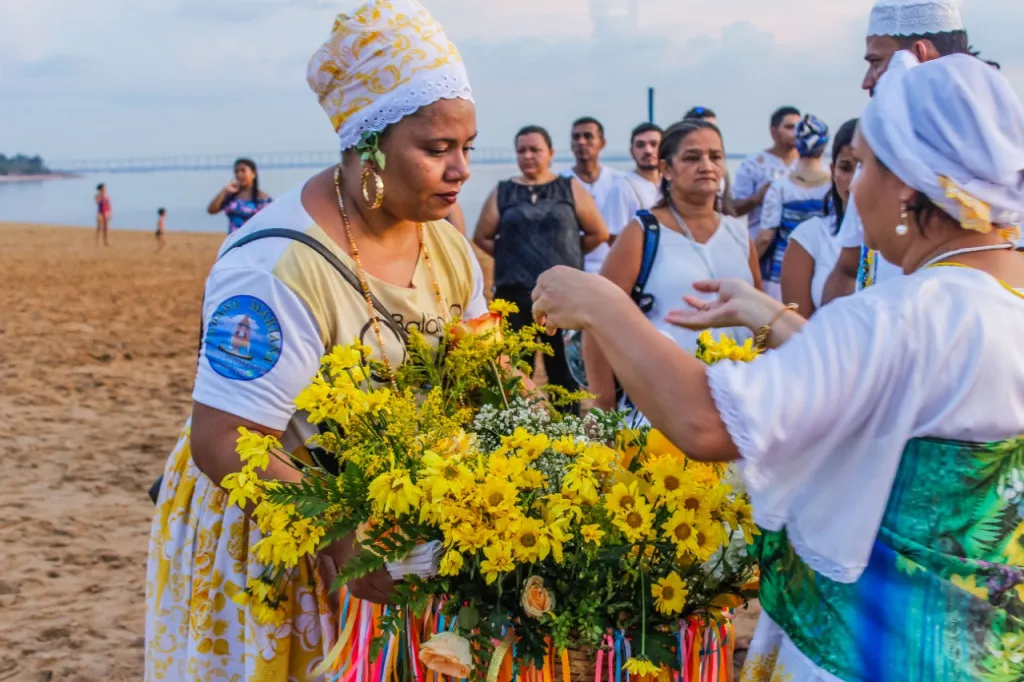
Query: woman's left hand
{"type": "Point", "coordinates": [565, 298]}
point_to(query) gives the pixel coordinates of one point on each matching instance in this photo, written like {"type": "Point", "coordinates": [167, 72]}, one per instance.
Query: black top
{"type": "Point", "coordinates": [538, 230]}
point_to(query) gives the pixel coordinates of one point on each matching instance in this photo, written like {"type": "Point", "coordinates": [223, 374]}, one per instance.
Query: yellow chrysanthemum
{"type": "Point", "coordinates": [622, 498]}
{"type": "Point", "coordinates": [530, 543]}
{"type": "Point", "coordinates": [243, 487]}
{"type": "Point", "coordinates": [451, 563]}
{"type": "Point", "coordinates": [666, 475]}
{"type": "Point", "coordinates": [708, 539]}
{"type": "Point", "coordinates": [441, 477]}
{"type": "Point", "coordinates": [498, 560]}
{"type": "Point", "coordinates": [503, 308]}
{"type": "Point", "coordinates": [471, 537]}
{"type": "Point", "coordinates": [640, 667]}
{"type": "Point", "coordinates": [505, 466]}
{"type": "Point", "coordinates": [592, 533]}
{"type": "Point", "coordinates": [669, 594]}
{"type": "Point", "coordinates": [581, 481]}
{"type": "Point", "coordinates": [681, 530]}
{"type": "Point", "coordinates": [740, 515]}
{"type": "Point", "coordinates": [562, 506]}
{"type": "Point", "coordinates": [254, 448]}
{"type": "Point", "coordinates": [532, 479]}
{"type": "Point", "coordinates": [566, 446]}
{"type": "Point", "coordinates": [498, 496]}
{"type": "Point", "coordinates": [394, 492]}
{"type": "Point", "coordinates": [635, 523]}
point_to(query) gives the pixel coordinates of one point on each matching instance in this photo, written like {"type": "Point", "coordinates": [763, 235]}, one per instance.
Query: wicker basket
{"type": "Point", "coordinates": [582, 665]}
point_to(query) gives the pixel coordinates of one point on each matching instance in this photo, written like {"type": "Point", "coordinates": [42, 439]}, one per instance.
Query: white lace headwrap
{"type": "Point", "coordinates": [952, 128]}
{"type": "Point", "coordinates": [386, 61]}
{"type": "Point", "coordinates": [914, 17]}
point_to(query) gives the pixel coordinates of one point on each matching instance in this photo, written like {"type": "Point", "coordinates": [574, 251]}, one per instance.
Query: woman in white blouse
{"type": "Point", "coordinates": [813, 248]}
{"type": "Point", "coordinates": [694, 243]}
{"type": "Point", "coordinates": [882, 442]}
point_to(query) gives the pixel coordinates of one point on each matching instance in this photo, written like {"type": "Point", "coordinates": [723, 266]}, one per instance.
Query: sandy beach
{"type": "Point", "coordinates": [97, 349]}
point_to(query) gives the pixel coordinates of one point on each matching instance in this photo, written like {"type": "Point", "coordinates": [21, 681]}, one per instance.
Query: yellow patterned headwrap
{"type": "Point", "coordinates": [384, 62]}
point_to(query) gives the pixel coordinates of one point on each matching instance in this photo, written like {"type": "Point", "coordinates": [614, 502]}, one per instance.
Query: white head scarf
{"type": "Point", "coordinates": [953, 129]}
{"type": "Point", "coordinates": [382, 63]}
{"type": "Point", "coordinates": [914, 17]}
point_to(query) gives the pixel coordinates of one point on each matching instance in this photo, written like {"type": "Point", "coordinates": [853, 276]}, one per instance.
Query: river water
{"type": "Point", "coordinates": [185, 194]}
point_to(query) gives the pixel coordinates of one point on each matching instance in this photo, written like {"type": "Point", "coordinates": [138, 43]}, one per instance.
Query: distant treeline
{"type": "Point", "coordinates": [19, 164]}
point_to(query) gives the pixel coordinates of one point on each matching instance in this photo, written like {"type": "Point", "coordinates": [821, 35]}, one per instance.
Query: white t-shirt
{"type": "Point", "coordinates": [632, 193]}
{"type": "Point", "coordinates": [680, 262]}
{"type": "Point", "coordinates": [272, 308]}
{"type": "Point", "coordinates": [601, 189]}
{"type": "Point", "coordinates": [822, 421]}
{"type": "Point", "coordinates": [851, 235]}
{"type": "Point", "coordinates": [817, 238]}
{"type": "Point", "coordinates": [756, 171]}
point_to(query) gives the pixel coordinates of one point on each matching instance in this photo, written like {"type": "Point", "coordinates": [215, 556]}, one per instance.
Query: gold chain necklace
{"type": "Point", "coordinates": [361, 274]}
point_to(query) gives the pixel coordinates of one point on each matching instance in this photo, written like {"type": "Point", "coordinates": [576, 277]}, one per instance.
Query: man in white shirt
{"type": "Point", "coordinates": [639, 189]}
{"type": "Point", "coordinates": [587, 143]}
{"type": "Point", "coordinates": [758, 171]}
{"type": "Point", "coordinates": [929, 29]}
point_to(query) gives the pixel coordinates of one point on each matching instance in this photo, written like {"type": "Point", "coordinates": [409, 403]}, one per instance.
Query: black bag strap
{"type": "Point", "coordinates": [652, 235]}
{"type": "Point", "coordinates": [318, 246]}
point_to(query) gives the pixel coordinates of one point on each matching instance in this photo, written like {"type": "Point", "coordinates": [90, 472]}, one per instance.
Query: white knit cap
{"type": "Point", "coordinates": [914, 17]}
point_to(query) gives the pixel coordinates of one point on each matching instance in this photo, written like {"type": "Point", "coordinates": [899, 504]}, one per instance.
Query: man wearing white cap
{"type": "Point", "coordinates": [929, 29]}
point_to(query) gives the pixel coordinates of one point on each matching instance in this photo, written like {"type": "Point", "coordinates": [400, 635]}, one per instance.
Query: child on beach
{"type": "Point", "coordinates": [160, 227]}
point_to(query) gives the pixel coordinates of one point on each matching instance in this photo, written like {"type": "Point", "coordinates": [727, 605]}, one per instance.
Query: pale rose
{"type": "Point", "coordinates": [448, 654]}
{"type": "Point", "coordinates": [536, 599]}
{"type": "Point", "coordinates": [478, 326]}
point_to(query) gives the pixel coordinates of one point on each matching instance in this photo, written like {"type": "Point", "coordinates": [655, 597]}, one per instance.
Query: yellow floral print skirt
{"type": "Point", "coordinates": [198, 561]}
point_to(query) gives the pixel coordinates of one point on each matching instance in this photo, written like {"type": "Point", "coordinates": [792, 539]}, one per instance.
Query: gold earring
{"type": "Point", "coordinates": [378, 194]}
{"type": "Point", "coordinates": [902, 228]}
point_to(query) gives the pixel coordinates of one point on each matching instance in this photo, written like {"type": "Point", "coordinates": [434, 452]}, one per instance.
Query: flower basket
{"type": "Point", "coordinates": [574, 665]}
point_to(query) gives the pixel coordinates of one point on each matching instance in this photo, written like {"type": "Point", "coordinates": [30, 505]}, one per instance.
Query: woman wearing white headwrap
{"type": "Point", "coordinates": [397, 94]}
{"type": "Point", "coordinates": [881, 441]}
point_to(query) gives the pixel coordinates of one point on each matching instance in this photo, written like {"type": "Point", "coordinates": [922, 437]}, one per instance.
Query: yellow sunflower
{"type": "Point", "coordinates": [666, 474]}
{"type": "Point", "coordinates": [530, 541]}
{"type": "Point", "coordinates": [498, 496]}
{"type": "Point", "coordinates": [635, 523]}
{"type": "Point", "coordinates": [622, 498]}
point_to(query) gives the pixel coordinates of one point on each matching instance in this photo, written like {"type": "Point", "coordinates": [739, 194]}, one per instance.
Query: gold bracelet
{"type": "Point", "coordinates": [763, 332]}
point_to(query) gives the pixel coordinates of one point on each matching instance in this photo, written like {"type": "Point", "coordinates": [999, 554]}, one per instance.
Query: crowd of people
{"type": "Point", "coordinates": [879, 435]}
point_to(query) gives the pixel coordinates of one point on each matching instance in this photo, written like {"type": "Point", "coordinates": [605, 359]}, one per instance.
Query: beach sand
{"type": "Point", "coordinates": [97, 359]}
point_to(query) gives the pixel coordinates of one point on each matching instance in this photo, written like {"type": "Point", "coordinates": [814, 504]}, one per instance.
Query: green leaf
{"type": "Point", "coordinates": [378, 158]}
{"type": "Point", "coordinates": [469, 618]}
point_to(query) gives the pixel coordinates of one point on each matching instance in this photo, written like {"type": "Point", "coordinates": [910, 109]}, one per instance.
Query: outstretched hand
{"type": "Point", "coordinates": [564, 298]}
{"type": "Point", "coordinates": [738, 305]}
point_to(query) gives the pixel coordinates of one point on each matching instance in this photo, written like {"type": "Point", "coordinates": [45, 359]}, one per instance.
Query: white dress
{"type": "Point", "coordinates": [818, 238]}
{"type": "Point", "coordinates": [821, 423]}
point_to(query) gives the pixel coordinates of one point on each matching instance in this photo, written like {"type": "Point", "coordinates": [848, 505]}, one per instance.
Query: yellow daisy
{"type": "Point", "coordinates": [635, 523]}
{"type": "Point", "coordinates": [622, 498]}
{"type": "Point", "coordinates": [498, 560]}
{"type": "Point", "coordinates": [498, 496]}
{"type": "Point", "coordinates": [640, 667]}
{"type": "Point", "coordinates": [666, 475]}
{"type": "Point", "coordinates": [592, 533]}
{"type": "Point", "coordinates": [669, 594]}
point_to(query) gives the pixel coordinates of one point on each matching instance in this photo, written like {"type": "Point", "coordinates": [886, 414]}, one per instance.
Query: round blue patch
{"type": "Point", "coordinates": [243, 339]}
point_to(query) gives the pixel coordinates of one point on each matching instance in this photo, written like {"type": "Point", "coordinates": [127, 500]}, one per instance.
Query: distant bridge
{"type": "Point", "coordinates": [313, 159]}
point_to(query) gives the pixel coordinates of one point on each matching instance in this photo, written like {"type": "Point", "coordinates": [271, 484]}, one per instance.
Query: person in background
{"type": "Point", "coordinates": [588, 141]}
{"type": "Point", "coordinates": [696, 243]}
{"type": "Point", "coordinates": [532, 223]}
{"type": "Point", "coordinates": [457, 219]}
{"type": "Point", "coordinates": [726, 205]}
{"type": "Point", "coordinates": [758, 171]}
{"type": "Point", "coordinates": [792, 199]}
{"type": "Point", "coordinates": [161, 228]}
{"type": "Point", "coordinates": [813, 246]}
{"type": "Point", "coordinates": [929, 29]}
{"type": "Point", "coordinates": [104, 212]}
{"type": "Point", "coordinates": [639, 189]}
{"type": "Point", "coordinates": [241, 198]}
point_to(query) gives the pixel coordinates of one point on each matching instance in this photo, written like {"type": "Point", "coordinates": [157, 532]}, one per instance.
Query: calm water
{"type": "Point", "coordinates": [185, 195]}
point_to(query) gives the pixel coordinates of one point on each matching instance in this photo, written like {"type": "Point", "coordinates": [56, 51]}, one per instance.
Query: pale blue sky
{"type": "Point", "coordinates": [137, 78]}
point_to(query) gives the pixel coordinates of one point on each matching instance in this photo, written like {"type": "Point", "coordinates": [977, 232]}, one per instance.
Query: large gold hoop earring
{"type": "Point", "coordinates": [378, 183]}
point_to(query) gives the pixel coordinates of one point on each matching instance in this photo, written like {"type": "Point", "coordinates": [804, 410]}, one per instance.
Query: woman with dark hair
{"type": "Point", "coordinates": [813, 247]}
{"type": "Point", "coordinates": [241, 198]}
{"type": "Point", "coordinates": [695, 243]}
{"type": "Point", "coordinates": [532, 223]}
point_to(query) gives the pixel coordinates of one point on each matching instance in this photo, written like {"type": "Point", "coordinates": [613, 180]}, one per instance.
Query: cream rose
{"type": "Point", "coordinates": [448, 654]}
{"type": "Point", "coordinates": [536, 599]}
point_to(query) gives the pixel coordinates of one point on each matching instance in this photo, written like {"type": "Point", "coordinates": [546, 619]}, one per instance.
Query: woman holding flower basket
{"type": "Point", "coordinates": [882, 441]}
{"type": "Point", "coordinates": [359, 252]}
